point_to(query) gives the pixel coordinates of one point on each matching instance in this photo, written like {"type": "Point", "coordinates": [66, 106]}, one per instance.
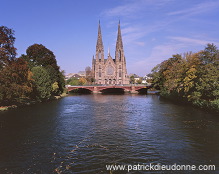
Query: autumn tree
{"type": "Point", "coordinates": [193, 78]}
{"type": "Point", "coordinates": [7, 49]}
{"type": "Point", "coordinates": [16, 82]}
{"type": "Point", "coordinates": [82, 81]}
{"type": "Point", "coordinates": [15, 77]}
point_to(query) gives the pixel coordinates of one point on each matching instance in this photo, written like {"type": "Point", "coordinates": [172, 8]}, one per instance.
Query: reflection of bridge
{"type": "Point", "coordinates": [125, 88]}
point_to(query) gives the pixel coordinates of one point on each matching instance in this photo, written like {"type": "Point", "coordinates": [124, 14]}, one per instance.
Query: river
{"type": "Point", "coordinates": [83, 133]}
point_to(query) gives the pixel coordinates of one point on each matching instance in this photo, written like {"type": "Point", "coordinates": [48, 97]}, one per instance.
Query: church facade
{"type": "Point", "coordinates": [109, 71]}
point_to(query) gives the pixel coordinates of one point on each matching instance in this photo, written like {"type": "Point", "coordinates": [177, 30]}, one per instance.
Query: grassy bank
{"type": "Point", "coordinates": [28, 102]}
{"type": "Point", "coordinates": [5, 108]}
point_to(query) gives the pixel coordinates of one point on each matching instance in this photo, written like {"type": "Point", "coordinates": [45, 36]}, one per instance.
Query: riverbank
{"type": "Point", "coordinates": [212, 106]}
{"type": "Point", "coordinates": [5, 108]}
{"type": "Point", "coordinates": [28, 103]}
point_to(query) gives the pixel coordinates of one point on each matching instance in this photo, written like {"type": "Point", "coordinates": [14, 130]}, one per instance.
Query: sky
{"type": "Point", "coordinates": [152, 30]}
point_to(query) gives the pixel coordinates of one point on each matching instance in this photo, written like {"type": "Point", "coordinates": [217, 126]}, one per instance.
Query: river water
{"type": "Point", "coordinates": [82, 134]}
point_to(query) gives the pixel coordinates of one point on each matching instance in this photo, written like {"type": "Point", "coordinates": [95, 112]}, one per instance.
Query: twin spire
{"type": "Point", "coordinates": [119, 44]}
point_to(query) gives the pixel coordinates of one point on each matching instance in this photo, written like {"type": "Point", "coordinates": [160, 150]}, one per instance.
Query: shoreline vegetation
{"type": "Point", "coordinates": [28, 103]}
{"type": "Point", "coordinates": [33, 77]}
{"type": "Point", "coordinates": [190, 78]}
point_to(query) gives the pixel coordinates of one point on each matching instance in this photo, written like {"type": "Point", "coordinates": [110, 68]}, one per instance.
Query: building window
{"type": "Point", "coordinates": [99, 73]}
{"type": "Point", "coordinates": [120, 73]}
{"type": "Point", "coordinates": [110, 70]}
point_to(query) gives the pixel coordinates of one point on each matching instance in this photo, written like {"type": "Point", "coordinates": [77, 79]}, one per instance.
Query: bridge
{"type": "Point", "coordinates": [100, 89]}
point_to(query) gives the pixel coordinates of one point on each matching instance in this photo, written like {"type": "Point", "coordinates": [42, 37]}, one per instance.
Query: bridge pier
{"type": "Point", "coordinates": [95, 90]}
{"type": "Point", "coordinates": [133, 91]}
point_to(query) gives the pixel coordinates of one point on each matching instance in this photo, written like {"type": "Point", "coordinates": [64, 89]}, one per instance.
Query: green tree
{"type": "Point", "coordinates": [72, 81]}
{"type": "Point", "coordinates": [132, 79]}
{"type": "Point", "coordinates": [39, 55]}
{"type": "Point", "coordinates": [139, 81]}
{"type": "Point", "coordinates": [42, 83]}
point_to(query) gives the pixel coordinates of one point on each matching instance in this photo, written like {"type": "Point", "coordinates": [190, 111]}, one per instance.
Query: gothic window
{"type": "Point", "coordinates": [120, 73]}
{"type": "Point", "coordinates": [120, 66]}
{"type": "Point", "coordinates": [99, 73]}
{"type": "Point", "coordinates": [110, 70]}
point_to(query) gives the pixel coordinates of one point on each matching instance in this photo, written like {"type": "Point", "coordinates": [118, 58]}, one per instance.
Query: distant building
{"type": "Point", "coordinates": [109, 70]}
{"type": "Point", "coordinates": [82, 73]}
{"type": "Point", "coordinates": [73, 75]}
{"type": "Point", "coordinates": [145, 79]}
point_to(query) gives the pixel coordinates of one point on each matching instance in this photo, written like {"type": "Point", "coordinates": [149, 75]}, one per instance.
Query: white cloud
{"type": "Point", "coordinates": [191, 41]}
{"type": "Point", "coordinates": [133, 7]}
{"type": "Point", "coordinates": [197, 9]}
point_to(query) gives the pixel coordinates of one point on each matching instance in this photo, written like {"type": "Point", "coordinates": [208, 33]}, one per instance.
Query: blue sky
{"type": "Point", "coordinates": [152, 30]}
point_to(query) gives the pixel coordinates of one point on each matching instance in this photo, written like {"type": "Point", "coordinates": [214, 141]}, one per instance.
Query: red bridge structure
{"type": "Point", "coordinates": [101, 89]}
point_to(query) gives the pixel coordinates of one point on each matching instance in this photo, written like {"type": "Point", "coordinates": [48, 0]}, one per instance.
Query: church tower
{"type": "Point", "coordinates": [109, 71]}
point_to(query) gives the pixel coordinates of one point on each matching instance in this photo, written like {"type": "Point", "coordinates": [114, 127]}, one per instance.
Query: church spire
{"type": "Point", "coordinates": [99, 38]}
{"type": "Point", "coordinates": [99, 46]}
{"type": "Point", "coordinates": [119, 45]}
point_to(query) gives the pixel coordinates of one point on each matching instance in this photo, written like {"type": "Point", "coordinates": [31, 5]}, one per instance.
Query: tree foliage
{"type": "Point", "coordinates": [7, 49]}
{"type": "Point", "coordinates": [42, 83]}
{"type": "Point", "coordinates": [34, 76]}
{"type": "Point", "coordinates": [193, 78]}
{"type": "Point", "coordinates": [16, 82]}
{"type": "Point", "coordinates": [39, 55]}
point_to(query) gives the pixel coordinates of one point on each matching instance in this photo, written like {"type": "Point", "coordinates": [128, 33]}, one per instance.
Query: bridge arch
{"type": "Point", "coordinates": [113, 91]}
{"type": "Point", "coordinates": [81, 91]}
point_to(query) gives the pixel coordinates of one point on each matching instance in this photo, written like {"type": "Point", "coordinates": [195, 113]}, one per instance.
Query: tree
{"type": "Point", "coordinates": [193, 78]}
{"type": "Point", "coordinates": [139, 81]}
{"type": "Point", "coordinates": [42, 83]}
{"type": "Point", "coordinates": [7, 49]}
{"type": "Point", "coordinates": [88, 71]}
{"type": "Point", "coordinates": [132, 79]}
{"type": "Point", "coordinates": [72, 81]}
{"type": "Point", "coordinates": [88, 75]}
{"type": "Point", "coordinates": [15, 80]}
{"type": "Point", "coordinates": [39, 55]}
{"type": "Point", "coordinates": [82, 81]}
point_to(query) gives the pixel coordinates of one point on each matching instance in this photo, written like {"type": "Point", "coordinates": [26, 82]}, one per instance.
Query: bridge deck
{"type": "Point", "coordinates": [98, 89]}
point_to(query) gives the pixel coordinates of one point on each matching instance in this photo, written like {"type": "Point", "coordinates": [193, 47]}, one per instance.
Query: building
{"type": "Point", "coordinates": [108, 70]}
{"type": "Point", "coordinates": [74, 75]}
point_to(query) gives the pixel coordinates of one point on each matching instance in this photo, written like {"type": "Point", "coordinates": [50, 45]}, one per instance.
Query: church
{"type": "Point", "coordinates": [109, 71]}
